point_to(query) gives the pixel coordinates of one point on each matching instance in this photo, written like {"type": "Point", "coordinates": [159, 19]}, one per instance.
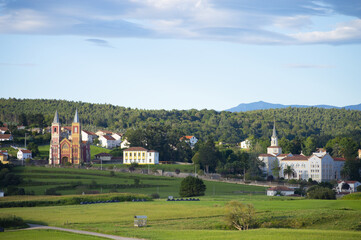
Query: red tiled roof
{"type": "Point", "coordinates": [339, 159]}
{"type": "Point", "coordinates": [4, 129]}
{"type": "Point", "coordinates": [5, 136]}
{"type": "Point", "coordinates": [135, 149]}
{"type": "Point", "coordinates": [296, 158]}
{"type": "Point", "coordinates": [105, 131]}
{"type": "Point", "coordinates": [89, 133]}
{"type": "Point", "coordinates": [283, 155]}
{"type": "Point", "coordinates": [67, 128]}
{"type": "Point", "coordinates": [280, 188]}
{"type": "Point", "coordinates": [107, 137]}
{"type": "Point", "coordinates": [186, 137]}
{"type": "Point", "coordinates": [25, 151]}
{"type": "Point", "coordinates": [152, 151]}
{"type": "Point", "coordinates": [347, 182]}
{"type": "Point", "coordinates": [3, 151]}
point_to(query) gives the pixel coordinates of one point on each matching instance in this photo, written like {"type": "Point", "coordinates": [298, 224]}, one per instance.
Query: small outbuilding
{"type": "Point", "coordinates": [280, 191]}
{"type": "Point", "coordinates": [140, 221]}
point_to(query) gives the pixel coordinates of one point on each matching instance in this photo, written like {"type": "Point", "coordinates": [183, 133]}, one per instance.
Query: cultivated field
{"type": "Point", "coordinates": [76, 181]}
{"type": "Point", "coordinates": [276, 217]}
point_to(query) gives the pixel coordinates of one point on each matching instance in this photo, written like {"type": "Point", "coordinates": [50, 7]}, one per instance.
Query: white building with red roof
{"type": "Point", "coordinates": [140, 155]}
{"type": "Point", "coordinates": [24, 154]}
{"type": "Point", "coordinates": [107, 141]}
{"type": "Point", "coordinates": [352, 186]}
{"type": "Point", "coordinates": [320, 166]}
{"type": "Point", "coordinates": [3, 130]}
{"type": "Point", "coordinates": [192, 140]}
{"type": "Point", "coordinates": [88, 136]}
{"type": "Point", "coordinates": [6, 137]}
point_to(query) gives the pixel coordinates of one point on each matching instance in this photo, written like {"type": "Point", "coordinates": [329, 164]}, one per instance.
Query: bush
{"type": "Point", "coordinates": [358, 188]}
{"type": "Point", "coordinates": [112, 174]}
{"type": "Point", "coordinates": [270, 178]}
{"type": "Point", "coordinates": [51, 191]}
{"type": "Point", "coordinates": [155, 195]}
{"type": "Point", "coordinates": [192, 186]}
{"type": "Point", "coordinates": [240, 215]}
{"type": "Point", "coordinates": [317, 192]}
{"type": "Point", "coordinates": [12, 222]}
{"type": "Point", "coordinates": [177, 171]}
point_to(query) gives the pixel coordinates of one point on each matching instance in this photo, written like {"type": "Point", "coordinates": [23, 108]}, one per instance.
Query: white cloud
{"type": "Point", "coordinates": [243, 21]}
{"type": "Point", "coordinates": [349, 32]}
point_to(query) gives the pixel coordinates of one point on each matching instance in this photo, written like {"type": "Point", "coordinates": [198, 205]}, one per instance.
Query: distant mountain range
{"type": "Point", "coordinates": [244, 107]}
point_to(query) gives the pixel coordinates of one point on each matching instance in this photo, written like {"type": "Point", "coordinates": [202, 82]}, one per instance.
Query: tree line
{"type": "Point", "coordinates": [292, 124]}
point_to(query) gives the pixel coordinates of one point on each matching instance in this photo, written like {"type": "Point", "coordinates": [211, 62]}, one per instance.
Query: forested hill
{"type": "Point", "coordinates": [223, 126]}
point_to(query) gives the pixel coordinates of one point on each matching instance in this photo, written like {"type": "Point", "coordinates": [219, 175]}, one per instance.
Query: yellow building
{"type": "Point", "coordinates": [140, 155]}
{"type": "Point", "coordinates": [4, 158]}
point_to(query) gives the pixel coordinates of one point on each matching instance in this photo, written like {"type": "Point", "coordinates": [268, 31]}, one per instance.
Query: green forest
{"type": "Point", "coordinates": [323, 124]}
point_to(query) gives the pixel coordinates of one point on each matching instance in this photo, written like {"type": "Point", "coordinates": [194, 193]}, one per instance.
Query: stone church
{"type": "Point", "coordinates": [67, 148]}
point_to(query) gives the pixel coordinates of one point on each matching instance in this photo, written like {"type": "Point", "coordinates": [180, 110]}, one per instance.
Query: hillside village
{"type": "Point", "coordinates": [70, 145]}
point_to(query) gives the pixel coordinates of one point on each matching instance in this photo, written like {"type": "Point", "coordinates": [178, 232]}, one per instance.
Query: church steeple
{"type": "Point", "coordinates": [76, 117]}
{"type": "Point", "coordinates": [274, 138]}
{"type": "Point", "coordinates": [56, 117]}
{"type": "Point", "coordinates": [274, 134]}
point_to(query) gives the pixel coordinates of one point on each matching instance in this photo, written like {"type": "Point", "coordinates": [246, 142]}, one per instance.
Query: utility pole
{"type": "Point", "coordinates": [25, 140]}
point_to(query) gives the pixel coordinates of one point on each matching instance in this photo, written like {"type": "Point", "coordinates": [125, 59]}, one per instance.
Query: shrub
{"type": "Point", "coordinates": [317, 192]}
{"type": "Point", "coordinates": [358, 188]}
{"type": "Point", "coordinates": [12, 222]}
{"type": "Point", "coordinates": [240, 215]}
{"type": "Point", "coordinates": [192, 186]}
{"type": "Point", "coordinates": [51, 191]}
{"type": "Point", "coordinates": [200, 172]}
{"type": "Point", "coordinates": [155, 195]}
{"type": "Point", "coordinates": [177, 171]}
{"type": "Point", "coordinates": [112, 174]}
{"type": "Point", "coordinates": [270, 178]}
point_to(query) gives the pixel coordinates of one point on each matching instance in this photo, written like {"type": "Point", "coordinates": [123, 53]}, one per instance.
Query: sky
{"type": "Point", "coordinates": [182, 54]}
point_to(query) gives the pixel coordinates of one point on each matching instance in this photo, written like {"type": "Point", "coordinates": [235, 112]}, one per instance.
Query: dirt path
{"type": "Point", "coordinates": [35, 226]}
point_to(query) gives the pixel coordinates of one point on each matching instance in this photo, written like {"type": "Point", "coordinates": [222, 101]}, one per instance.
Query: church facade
{"type": "Point", "coordinates": [320, 166]}
{"type": "Point", "coordinates": [68, 148]}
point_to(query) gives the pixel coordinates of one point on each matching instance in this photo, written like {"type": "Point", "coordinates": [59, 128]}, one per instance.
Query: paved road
{"type": "Point", "coordinates": [35, 226]}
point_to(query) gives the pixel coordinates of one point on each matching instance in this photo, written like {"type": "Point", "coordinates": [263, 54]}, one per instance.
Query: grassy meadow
{"type": "Point", "coordinates": [73, 181]}
{"type": "Point", "coordinates": [276, 217]}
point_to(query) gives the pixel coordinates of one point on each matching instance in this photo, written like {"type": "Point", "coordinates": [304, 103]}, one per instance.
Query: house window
{"type": "Point", "coordinates": [55, 130]}
{"type": "Point", "coordinates": [75, 129]}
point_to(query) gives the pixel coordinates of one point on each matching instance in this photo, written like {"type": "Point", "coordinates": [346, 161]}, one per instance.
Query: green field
{"type": "Point", "coordinates": [38, 179]}
{"type": "Point", "coordinates": [46, 235]}
{"type": "Point", "coordinates": [313, 219]}
{"type": "Point", "coordinates": [276, 217]}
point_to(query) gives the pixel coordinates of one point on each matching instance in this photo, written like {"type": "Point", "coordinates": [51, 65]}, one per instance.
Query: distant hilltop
{"type": "Point", "coordinates": [244, 107]}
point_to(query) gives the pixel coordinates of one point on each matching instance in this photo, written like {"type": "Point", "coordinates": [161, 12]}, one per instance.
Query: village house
{"type": "Point", "coordinates": [246, 144]}
{"type": "Point", "coordinates": [192, 140]}
{"type": "Point", "coordinates": [118, 138]}
{"type": "Point", "coordinates": [24, 154]}
{"type": "Point", "coordinates": [124, 144]}
{"type": "Point", "coordinates": [3, 130]}
{"type": "Point", "coordinates": [6, 137]}
{"type": "Point", "coordinates": [107, 141]}
{"type": "Point", "coordinates": [4, 157]}
{"type": "Point", "coordinates": [88, 136]}
{"type": "Point", "coordinates": [103, 133]}
{"type": "Point", "coordinates": [352, 186]}
{"type": "Point", "coordinates": [140, 155]}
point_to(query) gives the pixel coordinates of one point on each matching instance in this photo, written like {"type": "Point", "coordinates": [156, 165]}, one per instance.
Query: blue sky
{"type": "Point", "coordinates": [182, 54]}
